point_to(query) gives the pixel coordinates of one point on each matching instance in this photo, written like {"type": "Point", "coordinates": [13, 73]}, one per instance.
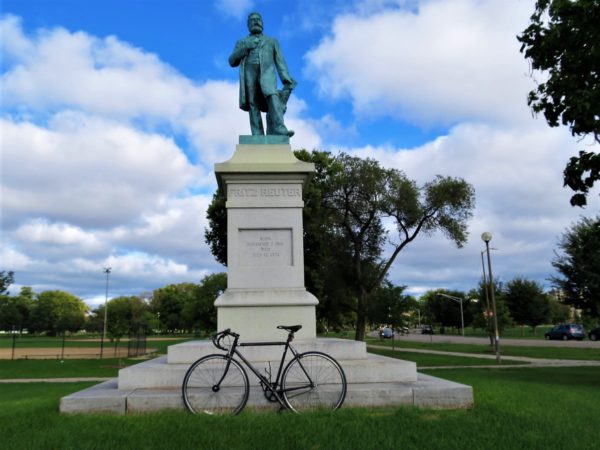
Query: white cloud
{"type": "Point", "coordinates": [13, 259]}
{"type": "Point", "coordinates": [107, 76]}
{"type": "Point", "coordinates": [448, 62]}
{"type": "Point", "coordinates": [58, 234]}
{"type": "Point", "coordinates": [84, 170]}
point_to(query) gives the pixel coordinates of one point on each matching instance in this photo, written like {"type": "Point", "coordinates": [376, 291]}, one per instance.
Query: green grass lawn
{"type": "Point", "coordinates": [53, 368]}
{"type": "Point", "coordinates": [425, 360]}
{"type": "Point", "coordinates": [532, 352]}
{"type": "Point", "coordinates": [549, 408]}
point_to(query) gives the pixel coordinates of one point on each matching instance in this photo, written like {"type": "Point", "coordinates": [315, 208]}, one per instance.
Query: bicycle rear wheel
{"type": "Point", "coordinates": [313, 380]}
{"type": "Point", "coordinates": [211, 387]}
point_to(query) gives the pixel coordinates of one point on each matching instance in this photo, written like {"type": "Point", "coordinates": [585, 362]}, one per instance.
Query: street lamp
{"type": "Point", "coordinates": [487, 237]}
{"type": "Point", "coordinates": [106, 270]}
{"type": "Point", "coordinates": [462, 317]}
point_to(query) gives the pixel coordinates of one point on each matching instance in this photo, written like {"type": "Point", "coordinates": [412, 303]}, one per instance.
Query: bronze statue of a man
{"type": "Point", "coordinates": [259, 56]}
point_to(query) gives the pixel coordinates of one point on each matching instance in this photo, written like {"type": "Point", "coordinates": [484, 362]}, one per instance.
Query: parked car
{"type": "Point", "coordinates": [565, 332]}
{"type": "Point", "coordinates": [427, 329]}
{"type": "Point", "coordinates": [386, 333]}
{"type": "Point", "coordinates": [594, 334]}
{"type": "Point", "coordinates": [402, 330]}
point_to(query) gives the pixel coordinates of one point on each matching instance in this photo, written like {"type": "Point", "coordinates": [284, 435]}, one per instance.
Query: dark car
{"type": "Point", "coordinates": [427, 329]}
{"type": "Point", "coordinates": [594, 334]}
{"type": "Point", "coordinates": [565, 332]}
{"type": "Point", "coordinates": [386, 333]}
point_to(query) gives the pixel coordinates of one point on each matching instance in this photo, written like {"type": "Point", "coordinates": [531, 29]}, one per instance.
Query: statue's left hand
{"type": "Point", "coordinates": [290, 84]}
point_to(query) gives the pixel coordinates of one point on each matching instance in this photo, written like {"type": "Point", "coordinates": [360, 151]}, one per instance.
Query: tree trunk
{"type": "Point", "coordinates": [361, 316]}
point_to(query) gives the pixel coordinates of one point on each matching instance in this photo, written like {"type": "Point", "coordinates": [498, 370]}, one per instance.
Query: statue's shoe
{"type": "Point", "coordinates": [284, 132]}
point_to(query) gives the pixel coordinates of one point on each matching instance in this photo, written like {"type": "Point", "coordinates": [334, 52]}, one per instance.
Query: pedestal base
{"type": "Point", "coordinates": [373, 380]}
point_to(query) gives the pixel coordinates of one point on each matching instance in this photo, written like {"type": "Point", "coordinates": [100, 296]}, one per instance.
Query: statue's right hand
{"type": "Point", "coordinates": [250, 44]}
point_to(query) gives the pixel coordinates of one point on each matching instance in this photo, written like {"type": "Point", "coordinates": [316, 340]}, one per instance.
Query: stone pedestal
{"type": "Point", "coordinates": [263, 184]}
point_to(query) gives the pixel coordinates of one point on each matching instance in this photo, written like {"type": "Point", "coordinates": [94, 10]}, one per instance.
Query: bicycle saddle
{"type": "Point", "coordinates": [290, 328]}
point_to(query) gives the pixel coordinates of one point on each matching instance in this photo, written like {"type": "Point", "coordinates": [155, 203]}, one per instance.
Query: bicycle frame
{"type": "Point", "coordinates": [268, 385]}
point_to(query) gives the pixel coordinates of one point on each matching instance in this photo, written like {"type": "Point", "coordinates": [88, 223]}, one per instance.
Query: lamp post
{"type": "Point", "coordinates": [462, 317]}
{"type": "Point", "coordinates": [487, 301]}
{"type": "Point", "coordinates": [106, 270]}
{"type": "Point", "coordinates": [487, 237]}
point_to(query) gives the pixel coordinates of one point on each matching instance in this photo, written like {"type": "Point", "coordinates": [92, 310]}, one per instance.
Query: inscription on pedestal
{"type": "Point", "coordinates": [265, 247]}
{"type": "Point", "coordinates": [265, 191]}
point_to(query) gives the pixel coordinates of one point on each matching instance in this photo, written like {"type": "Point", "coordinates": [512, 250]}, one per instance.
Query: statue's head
{"type": "Point", "coordinates": [255, 23]}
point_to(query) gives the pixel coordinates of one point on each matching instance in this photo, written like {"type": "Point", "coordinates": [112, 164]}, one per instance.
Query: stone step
{"type": "Point", "coordinates": [340, 349]}
{"type": "Point", "coordinates": [158, 373]}
{"type": "Point", "coordinates": [425, 391]}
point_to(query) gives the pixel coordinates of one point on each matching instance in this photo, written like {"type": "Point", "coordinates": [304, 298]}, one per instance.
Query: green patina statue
{"type": "Point", "coordinates": [259, 56]}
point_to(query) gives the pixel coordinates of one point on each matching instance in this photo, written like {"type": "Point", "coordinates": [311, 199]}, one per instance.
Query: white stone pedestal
{"type": "Point", "coordinates": [263, 184]}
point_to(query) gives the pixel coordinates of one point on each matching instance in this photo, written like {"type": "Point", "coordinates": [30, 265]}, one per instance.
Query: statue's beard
{"type": "Point", "coordinates": [256, 29]}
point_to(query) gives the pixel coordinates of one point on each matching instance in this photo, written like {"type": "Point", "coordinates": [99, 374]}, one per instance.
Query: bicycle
{"type": "Point", "coordinates": [218, 384]}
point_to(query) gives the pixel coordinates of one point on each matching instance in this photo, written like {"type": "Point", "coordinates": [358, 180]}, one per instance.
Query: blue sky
{"type": "Point", "coordinates": [114, 113]}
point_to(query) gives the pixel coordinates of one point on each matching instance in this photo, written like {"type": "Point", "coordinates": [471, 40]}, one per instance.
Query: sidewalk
{"type": "Point", "coordinates": [532, 362]}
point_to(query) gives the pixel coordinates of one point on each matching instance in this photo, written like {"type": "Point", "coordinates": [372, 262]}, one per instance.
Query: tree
{"type": "Point", "coordinates": [327, 261]}
{"type": "Point", "coordinates": [527, 302]}
{"type": "Point", "coordinates": [444, 311]}
{"type": "Point", "coordinates": [577, 264]}
{"type": "Point", "coordinates": [6, 279]}
{"type": "Point", "coordinates": [15, 311]}
{"type": "Point", "coordinates": [216, 233]}
{"type": "Point", "coordinates": [168, 302]}
{"type": "Point", "coordinates": [125, 315]}
{"type": "Point", "coordinates": [562, 40]}
{"type": "Point", "coordinates": [199, 313]}
{"type": "Point", "coordinates": [364, 195]}
{"type": "Point", "coordinates": [390, 304]}
{"type": "Point", "coordinates": [559, 312]}
{"type": "Point", "coordinates": [57, 312]}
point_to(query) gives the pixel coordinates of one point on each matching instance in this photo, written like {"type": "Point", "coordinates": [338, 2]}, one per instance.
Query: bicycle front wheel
{"type": "Point", "coordinates": [215, 385]}
{"type": "Point", "coordinates": [312, 381]}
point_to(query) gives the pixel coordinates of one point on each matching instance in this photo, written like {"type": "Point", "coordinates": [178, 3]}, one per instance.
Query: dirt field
{"type": "Point", "coordinates": [69, 353]}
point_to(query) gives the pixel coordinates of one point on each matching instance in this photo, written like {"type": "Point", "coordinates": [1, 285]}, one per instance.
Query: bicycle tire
{"type": "Point", "coordinates": [199, 395]}
{"type": "Point", "coordinates": [329, 383]}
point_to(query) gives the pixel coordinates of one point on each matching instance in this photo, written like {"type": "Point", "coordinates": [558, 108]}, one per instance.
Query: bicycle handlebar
{"type": "Point", "coordinates": [218, 338]}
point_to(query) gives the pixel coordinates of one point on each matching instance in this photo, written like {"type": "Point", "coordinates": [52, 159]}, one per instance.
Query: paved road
{"type": "Point", "coordinates": [444, 338]}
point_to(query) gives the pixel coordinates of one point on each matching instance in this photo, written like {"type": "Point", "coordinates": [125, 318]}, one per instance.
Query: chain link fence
{"type": "Point", "coordinates": [88, 346]}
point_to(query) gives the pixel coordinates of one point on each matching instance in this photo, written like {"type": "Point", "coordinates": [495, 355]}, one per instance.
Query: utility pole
{"type": "Point", "coordinates": [106, 270]}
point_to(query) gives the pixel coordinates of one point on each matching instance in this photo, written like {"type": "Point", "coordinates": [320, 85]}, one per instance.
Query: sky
{"type": "Point", "coordinates": [115, 111]}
